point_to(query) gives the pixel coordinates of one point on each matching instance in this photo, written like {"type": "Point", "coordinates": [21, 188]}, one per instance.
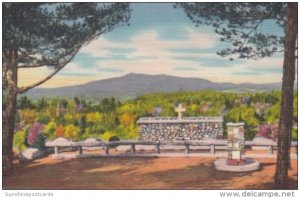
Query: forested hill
{"type": "Point", "coordinates": [132, 85]}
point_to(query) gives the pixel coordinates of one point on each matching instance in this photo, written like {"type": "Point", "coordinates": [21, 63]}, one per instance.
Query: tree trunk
{"type": "Point", "coordinates": [286, 113]}
{"type": "Point", "coordinates": [11, 61]}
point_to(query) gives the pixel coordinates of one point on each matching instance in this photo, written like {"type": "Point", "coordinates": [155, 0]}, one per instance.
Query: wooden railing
{"type": "Point", "coordinates": [212, 145]}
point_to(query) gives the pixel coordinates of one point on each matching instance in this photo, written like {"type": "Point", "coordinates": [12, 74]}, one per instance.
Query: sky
{"type": "Point", "coordinates": [160, 40]}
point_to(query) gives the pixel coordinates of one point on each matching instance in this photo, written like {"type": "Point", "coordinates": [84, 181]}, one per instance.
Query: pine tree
{"type": "Point", "coordinates": [240, 24]}
{"type": "Point", "coordinates": [47, 35]}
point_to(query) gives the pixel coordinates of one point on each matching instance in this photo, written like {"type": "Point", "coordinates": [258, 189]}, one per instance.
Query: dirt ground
{"type": "Point", "coordinates": [139, 173]}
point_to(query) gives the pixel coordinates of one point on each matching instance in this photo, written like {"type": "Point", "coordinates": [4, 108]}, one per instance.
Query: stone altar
{"type": "Point", "coordinates": [180, 128]}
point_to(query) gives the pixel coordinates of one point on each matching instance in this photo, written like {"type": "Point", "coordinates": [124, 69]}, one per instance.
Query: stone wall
{"type": "Point", "coordinates": [187, 128]}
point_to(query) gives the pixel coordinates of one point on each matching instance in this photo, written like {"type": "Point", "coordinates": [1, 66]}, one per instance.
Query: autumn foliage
{"type": "Point", "coordinates": [59, 131]}
{"type": "Point", "coordinates": [109, 117]}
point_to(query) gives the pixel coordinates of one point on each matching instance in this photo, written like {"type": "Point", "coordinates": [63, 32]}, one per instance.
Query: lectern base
{"type": "Point", "coordinates": [250, 165]}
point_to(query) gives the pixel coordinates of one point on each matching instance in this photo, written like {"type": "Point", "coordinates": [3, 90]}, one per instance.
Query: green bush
{"type": "Point", "coordinates": [43, 118]}
{"type": "Point", "coordinates": [49, 130]}
{"type": "Point", "coordinates": [19, 142]}
{"type": "Point", "coordinates": [107, 135]}
{"type": "Point", "coordinates": [294, 134]}
{"type": "Point", "coordinates": [244, 114]}
{"type": "Point", "coordinates": [114, 139]}
{"type": "Point", "coordinates": [72, 132]}
{"type": "Point", "coordinates": [39, 143]}
{"type": "Point", "coordinates": [250, 132]}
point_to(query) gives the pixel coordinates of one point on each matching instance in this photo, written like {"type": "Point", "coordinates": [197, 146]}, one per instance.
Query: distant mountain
{"type": "Point", "coordinates": [132, 85]}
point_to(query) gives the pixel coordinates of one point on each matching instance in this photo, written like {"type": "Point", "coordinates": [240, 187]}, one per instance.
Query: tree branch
{"type": "Point", "coordinates": [254, 28]}
{"type": "Point", "coordinates": [75, 49]}
{"type": "Point", "coordinates": [24, 89]}
{"type": "Point", "coordinates": [31, 66]}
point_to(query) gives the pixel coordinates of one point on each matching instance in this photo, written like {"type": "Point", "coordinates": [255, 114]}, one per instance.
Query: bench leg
{"type": "Point", "coordinates": [56, 151]}
{"type": "Point", "coordinates": [157, 148]}
{"type": "Point", "coordinates": [80, 150]}
{"type": "Point", "coordinates": [212, 149]}
{"type": "Point", "coordinates": [271, 150]}
{"type": "Point", "coordinates": [132, 149]}
{"type": "Point", "coordinates": [187, 149]}
{"type": "Point", "coordinates": [106, 149]}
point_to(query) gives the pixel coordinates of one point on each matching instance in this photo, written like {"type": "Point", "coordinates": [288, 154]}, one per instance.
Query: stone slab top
{"type": "Point", "coordinates": [235, 124]}
{"type": "Point", "coordinates": [177, 120]}
{"type": "Point", "coordinates": [221, 142]}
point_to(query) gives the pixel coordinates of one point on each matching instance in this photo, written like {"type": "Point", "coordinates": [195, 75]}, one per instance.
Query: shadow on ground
{"type": "Point", "coordinates": [136, 173]}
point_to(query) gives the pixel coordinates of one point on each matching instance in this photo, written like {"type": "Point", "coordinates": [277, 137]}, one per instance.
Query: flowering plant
{"type": "Point", "coordinates": [35, 137]}
{"type": "Point", "coordinates": [265, 131]}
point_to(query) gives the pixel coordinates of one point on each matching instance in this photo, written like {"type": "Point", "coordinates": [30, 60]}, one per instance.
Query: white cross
{"type": "Point", "coordinates": [180, 110]}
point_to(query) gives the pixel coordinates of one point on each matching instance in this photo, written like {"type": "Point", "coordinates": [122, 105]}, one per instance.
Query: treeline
{"type": "Point", "coordinates": [109, 118]}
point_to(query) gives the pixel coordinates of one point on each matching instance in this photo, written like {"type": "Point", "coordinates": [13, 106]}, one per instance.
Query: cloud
{"type": "Point", "coordinates": [150, 53]}
{"type": "Point", "coordinates": [186, 68]}
{"type": "Point", "coordinates": [120, 50]}
{"type": "Point", "coordinates": [207, 60]}
{"type": "Point", "coordinates": [243, 73]}
{"type": "Point", "coordinates": [75, 74]}
{"type": "Point", "coordinates": [147, 52]}
{"type": "Point", "coordinates": [111, 70]}
{"type": "Point", "coordinates": [149, 41]}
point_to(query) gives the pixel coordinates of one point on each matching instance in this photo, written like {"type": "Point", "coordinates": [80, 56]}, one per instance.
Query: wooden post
{"type": "Point", "coordinates": [212, 149]}
{"type": "Point", "coordinates": [132, 149]}
{"type": "Point", "coordinates": [271, 150]}
{"type": "Point", "coordinates": [56, 151]}
{"type": "Point", "coordinates": [106, 149]}
{"type": "Point", "coordinates": [80, 150]}
{"type": "Point", "coordinates": [187, 148]}
{"type": "Point", "coordinates": [157, 148]}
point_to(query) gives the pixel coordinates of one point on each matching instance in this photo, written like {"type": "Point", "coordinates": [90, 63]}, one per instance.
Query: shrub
{"type": "Point", "coordinates": [43, 118]}
{"type": "Point", "coordinates": [121, 132]}
{"type": "Point", "coordinates": [114, 139]}
{"type": "Point", "coordinates": [40, 142]}
{"type": "Point", "coordinates": [132, 132]}
{"type": "Point", "coordinates": [34, 132]}
{"type": "Point", "coordinates": [272, 113]}
{"type": "Point", "coordinates": [92, 118]}
{"type": "Point", "coordinates": [294, 134]}
{"type": "Point", "coordinates": [250, 132]}
{"type": "Point", "coordinates": [69, 118]}
{"type": "Point", "coordinates": [244, 114]}
{"type": "Point", "coordinates": [19, 126]}
{"type": "Point", "coordinates": [126, 119]}
{"type": "Point", "coordinates": [19, 142]}
{"type": "Point", "coordinates": [59, 131]}
{"type": "Point", "coordinates": [78, 108]}
{"type": "Point", "coordinates": [265, 131]}
{"type": "Point", "coordinates": [274, 131]}
{"type": "Point", "coordinates": [72, 132]}
{"type": "Point", "coordinates": [36, 138]}
{"type": "Point", "coordinates": [28, 116]}
{"type": "Point", "coordinates": [107, 135]}
{"type": "Point", "coordinates": [49, 130]}
{"type": "Point", "coordinates": [156, 111]}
